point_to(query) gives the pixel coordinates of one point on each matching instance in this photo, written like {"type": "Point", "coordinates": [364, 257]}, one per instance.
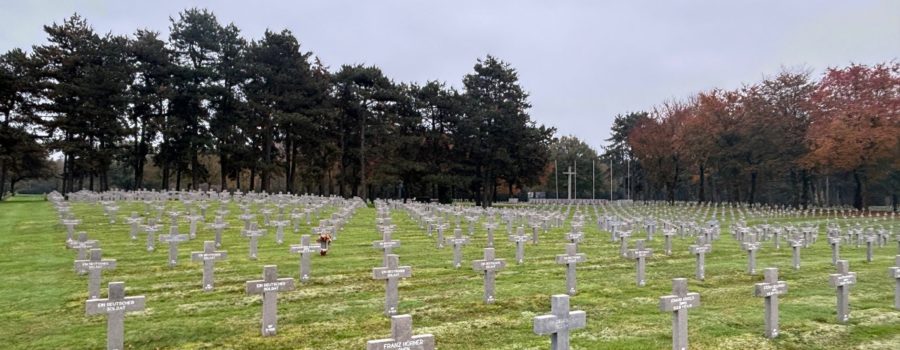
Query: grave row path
{"type": "Point", "coordinates": [341, 306]}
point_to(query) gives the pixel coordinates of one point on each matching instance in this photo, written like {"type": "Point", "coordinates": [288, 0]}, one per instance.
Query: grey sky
{"type": "Point", "coordinates": [583, 62]}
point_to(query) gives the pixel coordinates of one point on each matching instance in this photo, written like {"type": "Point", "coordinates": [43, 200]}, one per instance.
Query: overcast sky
{"type": "Point", "coordinates": [583, 62]}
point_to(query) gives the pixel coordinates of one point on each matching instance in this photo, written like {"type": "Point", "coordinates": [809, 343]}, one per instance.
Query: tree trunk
{"type": "Point", "coordinates": [178, 179]}
{"type": "Point", "coordinates": [2, 177]}
{"type": "Point", "coordinates": [362, 156]}
{"type": "Point", "coordinates": [223, 177]}
{"type": "Point", "coordinates": [859, 195]}
{"type": "Point", "coordinates": [754, 175]}
{"type": "Point", "coordinates": [252, 180]}
{"type": "Point", "coordinates": [195, 170]}
{"type": "Point", "coordinates": [701, 195]}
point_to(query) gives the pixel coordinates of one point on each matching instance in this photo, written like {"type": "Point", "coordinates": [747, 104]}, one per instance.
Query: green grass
{"type": "Point", "coordinates": [42, 299]}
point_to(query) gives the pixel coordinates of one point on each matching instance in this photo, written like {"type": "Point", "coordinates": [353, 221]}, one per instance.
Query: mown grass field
{"type": "Point", "coordinates": [42, 299]}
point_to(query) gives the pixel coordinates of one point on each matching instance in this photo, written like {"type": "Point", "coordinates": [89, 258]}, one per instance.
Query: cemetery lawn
{"type": "Point", "coordinates": [42, 300]}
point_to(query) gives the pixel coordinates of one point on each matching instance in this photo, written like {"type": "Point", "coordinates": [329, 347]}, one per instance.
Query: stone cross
{"type": "Point", "coordinates": [115, 306]}
{"type": "Point", "coordinates": [490, 266]}
{"type": "Point", "coordinates": [218, 226]}
{"type": "Point", "coordinates": [770, 289]}
{"type": "Point", "coordinates": [678, 304]}
{"type": "Point", "coordinates": [134, 221]}
{"type": "Point", "coordinates": [623, 242]}
{"type": "Point", "coordinates": [94, 267]}
{"type": "Point", "coordinates": [640, 254]}
{"type": "Point", "coordinates": [559, 322]}
{"type": "Point", "coordinates": [402, 337]}
{"type": "Point", "coordinates": [667, 245]}
{"type": "Point", "coordinates": [841, 281]}
{"type": "Point", "coordinates": [391, 273]}
{"type": "Point", "coordinates": [570, 259]}
{"type": "Point", "coordinates": [796, 244]}
{"type": "Point", "coordinates": [700, 250]}
{"type": "Point", "coordinates": [193, 219]}
{"type": "Point", "coordinates": [534, 232]}
{"type": "Point", "coordinates": [306, 250]}
{"type": "Point", "coordinates": [440, 235]}
{"type": "Point", "coordinates": [82, 244]}
{"type": "Point", "coordinates": [173, 239]}
{"type": "Point", "coordinates": [150, 230]}
{"type": "Point", "coordinates": [458, 241]}
{"type": "Point", "coordinates": [519, 239]}
{"type": "Point", "coordinates": [386, 244]}
{"type": "Point", "coordinates": [869, 240]}
{"type": "Point", "coordinates": [269, 287]}
{"type": "Point", "coordinates": [574, 237]}
{"type": "Point", "coordinates": [751, 246]}
{"type": "Point", "coordinates": [253, 234]}
{"type": "Point", "coordinates": [490, 227]}
{"type": "Point", "coordinates": [70, 228]}
{"type": "Point", "coordinates": [835, 242]}
{"type": "Point", "coordinates": [279, 230]}
{"type": "Point", "coordinates": [208, 256]}
{"type": "Point", "coordinates": [895, 274]}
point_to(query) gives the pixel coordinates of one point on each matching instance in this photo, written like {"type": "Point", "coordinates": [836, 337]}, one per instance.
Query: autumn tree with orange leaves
{"type": "Point", "coordinates": [855, 125]}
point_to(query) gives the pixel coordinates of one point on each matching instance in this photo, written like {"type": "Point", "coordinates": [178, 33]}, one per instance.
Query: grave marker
{"type": "Point", "coordinates": [770, 289]}
{"type": "Point", "coordinates": [841, 281]}
{"type": "Point", "coordinates": [269, 287]}
{"type": "Point", "coordinates": [700, 250]}
{"type": "Point", "coordinates": [640, 254]}
{"type": "Point", "coordinates": [895, 274]}
{"type": "Point", "coordinates": [559, 322]}
{"type": "Point", "coordinates": [750, 246]}
{"type": "Point", "coordinates": [519, 239]}
{"type": "Point", "coordinates": [490, 266]}
{"type": "Point", "coordinates": [391, 273]}
{"type": "Point", "coordinates": [570, 259]}
{"type": "Point", "coordinates": [305, 249]}
{"type": "Point", "coordinates": [678, 304]}
{"type": "Point", "coordinates": [115, 306]}
{"type": "Point", "coordinates": [173, 239]}
{"type": "Point", "coordinates": [402, 337]}
{"type": "Point", "coordinates": [208, 256]}
{"type": "Point", "coordinates": [458, 241]}
{"type": "Point", "coordinates": [94, 267]}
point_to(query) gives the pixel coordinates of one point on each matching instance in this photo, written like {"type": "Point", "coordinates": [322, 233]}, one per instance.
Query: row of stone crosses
{"type": "Point", "coordinates": [435, 218]}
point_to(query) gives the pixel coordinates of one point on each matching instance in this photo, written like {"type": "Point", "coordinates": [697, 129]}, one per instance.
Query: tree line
{"type": "Point", "coordinates": [207, 106]}
{"type": "Point", "coordinates": [788, 139]}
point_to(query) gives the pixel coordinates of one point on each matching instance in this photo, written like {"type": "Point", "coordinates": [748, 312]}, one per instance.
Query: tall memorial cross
{"type": "Point", "coordinates": [386, 244]}
{"type": "Point", "coordinates": [94, 267]}
{"type": "Point", "coordinates": [458, 241]}
{"type": "Point", "coordinates": [391, 273]}
{"type": "Point", "coordinates": [750, 245]}
{"type": "Point", "coordinates": [402, 337]}
{"type": "Point", "coordinates": [489, 265]}
{"type": "Point", "coordinates": [208, 256]}
{"type": "Point", "coordinates": [640, 254]}
{"type": "Point", "coordinates": [570, 173]}
{"type": "Point", "coordinates": [519, 239]}
{"type": "Point", "coordinates": [115, 306]}
{"type": "Point", "coordinates": [700, 250]}
{"type": "Point", "coordinates": [173, 239]}
{"type": "Point", "coordinates": [559, 322]}
{"type": "Point", "coordinates": [306, 250]}
{"type": "Point", "coordinates": [770, 289]}
{"type": "Point", "coordinates": [678, 304]}
{"type": "Point", "coordinates": [253, 234]}
{"type": "Point", "coordinates": [841, 281]}
{"type": "Point", "coordinates": [895, 274]}
{"type": "Point", "coordinates": [570, 259]}
{"type": "Point", "coordinates": [269, 287]}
